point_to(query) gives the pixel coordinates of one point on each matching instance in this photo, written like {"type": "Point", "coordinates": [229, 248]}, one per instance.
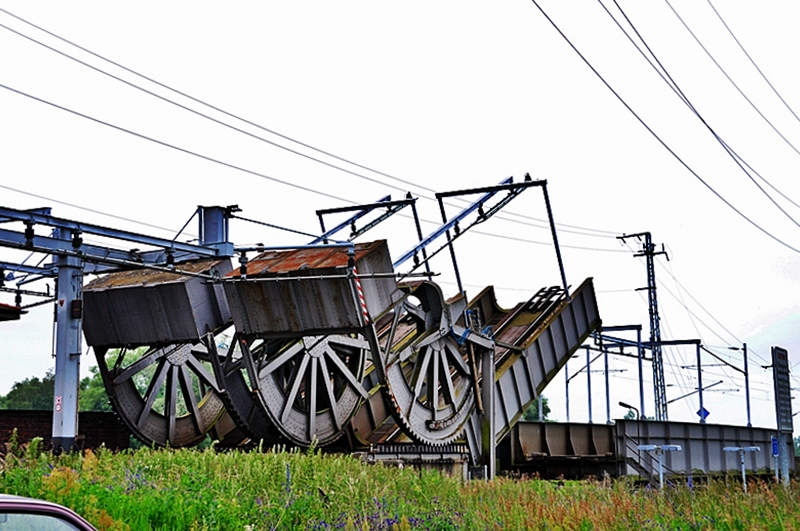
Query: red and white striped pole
{"type": "Point", "coordinates": [361, 298]}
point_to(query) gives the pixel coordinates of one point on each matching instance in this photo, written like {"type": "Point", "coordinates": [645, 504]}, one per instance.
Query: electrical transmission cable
{"type": "Point", "coordinates": [728, 77]}
{"type": "Point", "coordinates": [751, 60]}
{"type": "Point", "coordinates": [259, 174]}
{"type": "Point", "coordinates": [668, 79]}
{"type": "Point", "coordinates": [93, 211]}
{"type": "Point", "coordinates": [657, 137]}
{"type": "Point", "coordinates": [178, 148]}
{"type": "Point", "coordinates": [585, 231]}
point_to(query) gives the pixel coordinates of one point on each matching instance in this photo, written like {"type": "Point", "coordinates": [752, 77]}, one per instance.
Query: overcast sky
{"type": "Point", "coordinates": [441, 96]}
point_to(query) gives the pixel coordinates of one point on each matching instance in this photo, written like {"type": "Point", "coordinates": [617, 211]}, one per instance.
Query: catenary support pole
{"type": "Point", "coordinates": [640, 353]}
{"type": "Point", "coordinates": [700, 386]}
{"type": "Point", "coordinates": [608, 395]}
{"type": "Point", "coordinates": [488, 428]}
{"type": "Point", "coordinates": [746, 384]}
{"type": "Point", "coordinates": [69, 340]}
{"type": "Point", "coordinates": [589, 382]}
{"type": "Point", "coordinates": [566, 386]}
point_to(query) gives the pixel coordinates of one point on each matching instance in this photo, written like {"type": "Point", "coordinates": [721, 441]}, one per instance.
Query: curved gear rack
{"type": "Point", "coordinates": [427, 380]}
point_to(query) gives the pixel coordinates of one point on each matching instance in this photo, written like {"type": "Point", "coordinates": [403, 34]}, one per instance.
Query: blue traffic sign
{"type": "Point", "coordinates": [774, 446]}
{"type": "Point", "coordinates": [703, 413]}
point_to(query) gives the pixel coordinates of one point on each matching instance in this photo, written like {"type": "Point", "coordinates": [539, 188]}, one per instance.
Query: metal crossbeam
{"type": "Point", "coordinates": [9, 214]}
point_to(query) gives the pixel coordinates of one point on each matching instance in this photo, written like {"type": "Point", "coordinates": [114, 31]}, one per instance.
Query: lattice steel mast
{"type": "Point", "coordinates": [659, 387]}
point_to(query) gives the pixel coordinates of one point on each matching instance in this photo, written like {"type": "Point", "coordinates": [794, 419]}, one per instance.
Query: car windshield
{"type": "Point", "coordinates": [33, 522]}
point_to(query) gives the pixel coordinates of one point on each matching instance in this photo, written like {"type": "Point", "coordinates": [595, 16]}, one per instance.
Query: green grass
{"type": "Point", "coordinates": [205, 490]}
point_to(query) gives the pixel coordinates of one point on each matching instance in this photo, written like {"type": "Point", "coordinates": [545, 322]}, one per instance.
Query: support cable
{"type": "Point", "coordinates": [751, 60]}
{"type": "Point", "coordinates": [728, 77]}
{"type": "Point", "coordinates": [667, 78]}
{"type": "Point", "coordinates": [658, 138]}
{"type": "Point", "coordinates": [587, 231]}
{"type": "Point", "coordinates": [252, 172]}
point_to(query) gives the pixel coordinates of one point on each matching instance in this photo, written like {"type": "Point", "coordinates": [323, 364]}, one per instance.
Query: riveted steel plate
{"type": "Point", "coordinates": [148, 307]}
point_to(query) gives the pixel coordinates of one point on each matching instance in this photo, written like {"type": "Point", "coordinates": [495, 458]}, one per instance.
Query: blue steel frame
{"type": "Point", "coordinates": [72, 258]}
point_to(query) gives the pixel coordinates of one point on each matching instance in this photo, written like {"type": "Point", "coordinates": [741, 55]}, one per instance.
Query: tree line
{"type": "Point", "coordinates": [38, 393]}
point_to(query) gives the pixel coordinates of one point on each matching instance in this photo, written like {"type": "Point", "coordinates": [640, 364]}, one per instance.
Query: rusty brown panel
{"type": "Point", "coordinates": [296, 260]}
{"type": "Point", "coordinates": [530, 438]}
{"type": "Point", "coordinates": [603, 438]}
{"type": "Point", "coordinates": [316, 305]}
{"type": "Point", "coordinates": [557, 439]}
{"type": "Point", "coordinates": [580, 438]}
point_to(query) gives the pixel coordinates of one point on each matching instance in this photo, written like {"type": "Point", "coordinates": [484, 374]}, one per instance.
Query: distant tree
{"type": "Point", "coordinates": [532, 413]}
{"type": "Point", "coordinates": [93, 395]}
{"type": "Point", "coordinates": [797, 446]}
{"type": "Point", "coordinates": [31, 393]}
{"type": "Point", "coordinates": [630, 415]}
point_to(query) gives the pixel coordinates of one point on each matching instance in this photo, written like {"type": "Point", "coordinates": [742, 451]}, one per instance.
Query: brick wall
{"type": "Point", "coordinates": [94, 428]}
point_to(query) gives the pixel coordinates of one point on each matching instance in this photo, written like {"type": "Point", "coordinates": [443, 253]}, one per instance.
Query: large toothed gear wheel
{"type": "Point", "coordinates": [426, 376]}
{"type": "Point", "coordinates": [166, 396]}
{"type": "Point", "coordinates": [240, 397]}
{"type": "Point", "coordinates": [310, 387]}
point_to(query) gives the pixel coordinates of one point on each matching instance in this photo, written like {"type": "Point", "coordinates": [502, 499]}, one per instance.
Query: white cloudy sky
{"type": "Point", "coordinates": [443, 95]}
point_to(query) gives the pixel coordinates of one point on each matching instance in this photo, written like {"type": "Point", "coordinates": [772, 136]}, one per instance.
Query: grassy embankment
{"type": "Point", "coordinates": [204, 490]}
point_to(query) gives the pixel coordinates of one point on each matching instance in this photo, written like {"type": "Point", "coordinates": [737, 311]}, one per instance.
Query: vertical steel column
{"type": "Point", "coordinates": [640, 352]}
{"type": "Point", "coordinates": [589, 381]}
{"type": "Point", "coordinates": [746, 384]}
{"type": "Point", "coordinates": [69, 341]}
{"type": "Point", "coordinates": [783, 458]}
{"type": "Point", "coordinates": [566, 386]}
{"type": "Point", "coordinates": [608, 395]}
{"type": "Point", "coordinates": [700, 385]}
{"type": "Point", "coordinates": [214, 228]}
{"type": "Point", "coordinates": [488, 428]}
{"type": "Point", "coordinates": [659, 388]}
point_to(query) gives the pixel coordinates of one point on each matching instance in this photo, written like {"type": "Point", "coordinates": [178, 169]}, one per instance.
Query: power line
{"type": "Point", "coordinates": [728, 77]}
{"type": "Point", "coordinates": [585, 231]}
{"type": "Point", "coordinates": [658, 138]}
{"type": "Point", "coordinates": [668, 79]}
{"type": "Point", "coordinates": [751, 60]}
{"type": "Point", "coordinates": [256, 173]}
{"type": "Point", "coordinates": [73, 205]}
{"type": "Point", "coordinates": [178, 148]}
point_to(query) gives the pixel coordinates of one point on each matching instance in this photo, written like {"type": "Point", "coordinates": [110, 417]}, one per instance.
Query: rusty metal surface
{"type": "Point", "coordinates": [148, 307]}
{"type": "Point", "coordinates": [150, 277]}
{"type": "Point", "coordinates": [531, 440]}
{"type": "Point", "coordinates": [702, 447]}
{"type": "Point", "coordinates": [314, 306]}
{"type": "Point", "coordinates": [539, 353]}
{"type": "Point", "coordinates": [521, 377]}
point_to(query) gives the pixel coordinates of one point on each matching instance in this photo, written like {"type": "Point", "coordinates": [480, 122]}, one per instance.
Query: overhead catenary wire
{"type": "Point", "coordinates": [752, 61]}
{"type": "Point", "coordinates": [658, 138]}
{"type": "Point", "coordinates": [86, 209]}
{"type": "Point", "coordinates": [668, 79]}
{"type": "Point", "coordinates": [178, 148]}
{"type": "Point", "coordinates": [586, 231]}
{"type": "Point", "coordinates": [728, 77]}
{"type": "Point", "coordinates": [259, 174]}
